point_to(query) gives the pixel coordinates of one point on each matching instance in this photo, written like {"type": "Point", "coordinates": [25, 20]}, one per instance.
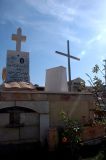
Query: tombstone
{"type": "Point", "coordinates": [17, 66]}
{"type": "Point", "coordinates": [56, 80]}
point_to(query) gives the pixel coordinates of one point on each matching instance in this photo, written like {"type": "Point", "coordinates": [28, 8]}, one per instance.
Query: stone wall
{"type": "Point", "coordinates": [49, 106]}
{"type": "Point", "coordinates": [77, 106]}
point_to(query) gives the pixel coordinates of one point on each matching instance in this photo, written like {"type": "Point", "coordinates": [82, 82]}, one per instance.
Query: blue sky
{"type": "Point", "coordinates": [48, 24]}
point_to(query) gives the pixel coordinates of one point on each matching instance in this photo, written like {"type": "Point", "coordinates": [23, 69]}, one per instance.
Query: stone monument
{"type": "Point", "coordinates": [56, 80]}
{"type": "Point", "coordinates": [17, 66]}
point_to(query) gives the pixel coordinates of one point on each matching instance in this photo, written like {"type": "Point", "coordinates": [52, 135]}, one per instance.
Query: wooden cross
{"type": "Point", "coordinates": [69, 67]}
{"type": "Point", "coordinates": [18, 38]}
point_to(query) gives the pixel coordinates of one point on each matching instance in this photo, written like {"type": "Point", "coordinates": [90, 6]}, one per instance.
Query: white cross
{"type": "Point", "coordinates": [18, 38]}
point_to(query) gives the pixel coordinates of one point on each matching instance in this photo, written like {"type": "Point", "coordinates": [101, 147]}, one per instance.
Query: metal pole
{"type": "Point", "coordinates": [69, 67]}
{"type": "Point", "coordinates": [105, 71]}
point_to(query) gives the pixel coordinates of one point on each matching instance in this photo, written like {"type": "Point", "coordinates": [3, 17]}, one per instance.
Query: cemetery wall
{"type": "Point", "coordinates": [76, 105]}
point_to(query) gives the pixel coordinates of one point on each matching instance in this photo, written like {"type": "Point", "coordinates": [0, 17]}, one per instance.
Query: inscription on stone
{"type": "Point", "coordinates": [17, 66]}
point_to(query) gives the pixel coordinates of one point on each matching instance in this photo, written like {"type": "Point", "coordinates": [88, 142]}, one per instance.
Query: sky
{"type": "Point", "coordinates": [48, 24]}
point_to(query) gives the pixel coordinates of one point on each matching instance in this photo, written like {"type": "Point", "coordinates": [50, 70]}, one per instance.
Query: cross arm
{"type": "Point", "coordinates": [61, 53]}
{"type": "Point", "coordinates": [67, 55]}
{"type": "Point", "coordinates": [75, 58]}
{"type": "Point", "coordinates": [14, 37]}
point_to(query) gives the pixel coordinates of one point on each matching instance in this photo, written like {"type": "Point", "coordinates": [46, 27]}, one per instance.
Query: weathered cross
{"type": "Point", "coordinates": [18, 38]}
{"type": "Point", "coordinates": [69, 66]}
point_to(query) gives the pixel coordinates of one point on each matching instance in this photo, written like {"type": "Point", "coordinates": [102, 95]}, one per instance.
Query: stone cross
{"type": "Point", "coordinates": [17, 66]}
{"type": "Point", "coordinates": [69, 66]}
{"type": "Point", "coordinates": [18, 38]}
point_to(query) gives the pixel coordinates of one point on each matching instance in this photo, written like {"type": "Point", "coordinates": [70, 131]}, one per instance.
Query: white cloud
{"type": "Point", "coordinates": [81, 14]}
{"type": "Point", "coordinates": [69, 34]}
{"type": "Point", "coordinates": [73, 16]}
{"type": "Point", "coordinates": [97, 43]}
{"type": "Point", "coordinates": [54, 8]}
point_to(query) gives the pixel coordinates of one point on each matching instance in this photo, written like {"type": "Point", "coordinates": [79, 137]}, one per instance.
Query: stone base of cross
{"type": "Point", "coordinates": [69, 85]}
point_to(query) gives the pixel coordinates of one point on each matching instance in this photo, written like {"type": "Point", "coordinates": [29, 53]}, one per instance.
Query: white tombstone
{"type": "Point", "coordinates": [56, 80]}
{"type": "Point", "coordinates": [17, 66]}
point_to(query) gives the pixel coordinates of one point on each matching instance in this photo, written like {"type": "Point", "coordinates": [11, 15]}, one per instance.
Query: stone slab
{"type": "Point", "coordinates": [17, 66]}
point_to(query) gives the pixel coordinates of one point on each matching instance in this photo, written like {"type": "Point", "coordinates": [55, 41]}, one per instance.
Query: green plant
{"type": "Point", "coordinates": [96, 82]}
{"type": "Point", "coordinates": [71, 131]}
